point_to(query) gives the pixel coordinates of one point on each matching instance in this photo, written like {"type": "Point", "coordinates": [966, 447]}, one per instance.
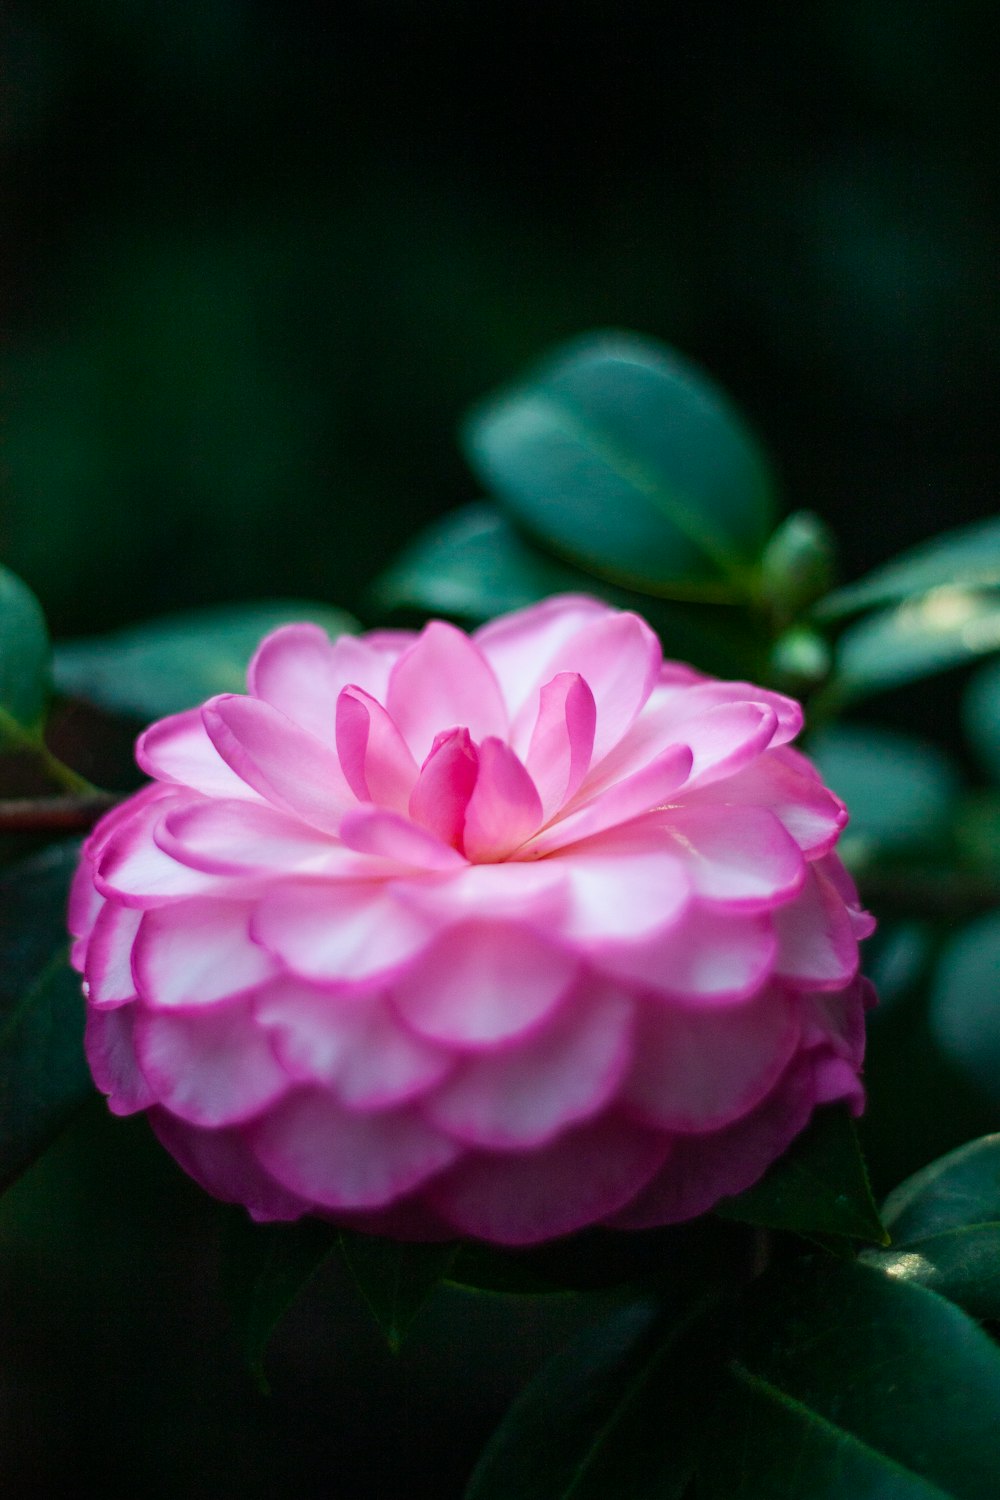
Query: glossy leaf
{"type": "Point", "coordinates": [981, 716]}
{"type": "Point", "coordinates": [265, 1268]}
{"type": "Point", "coordinates": [620, 455]}
{"type": "Point", "coordinates": [947, 627]}
{"type": "Point", "coordinates": [395, 1278]}
{"type": "Point", "coordinates": [176, 662]}
{"type": "Point", "coordinates": [619, 1412]}
{"type": "Point", "coordinates": [849, 1385]}
{"type": "Point", "coordinates": [24, 662]}
{"type": "Point", "coordinates": [968, 557]}
{"type": "Point", "coordinates": [819, 1186]}
{"type": "Point", "coordinates": [964, 1011]}
{"type": "Point", "coordinates": [43, 1073]}
{"type": "Point", "coordinates": [900, 792]}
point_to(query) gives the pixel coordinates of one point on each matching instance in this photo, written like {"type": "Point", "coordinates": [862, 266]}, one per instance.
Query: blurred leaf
{"type": "Point", "coordinates": [797, 564]}
{"type": "Point", "coordinates": [24, 662]}
{"type": "Point", "coordinates": [947, 627]}
{"type": "Point", "coordinates": [964, 1011]}
{"type": "Point", "coordinates": [395, 1277]}
{"type": "Point", "coordinates": [945, 1227]}
{"type": "Point", "coordinates": [620, 455]}
{"type": "Point", "coordinates": [900, 792]}
{"type": "Point", "coordinates": [473, 564]}
{"type": "Point", "coordinates": [178, 661]}
{"type": "Point", "coordinates": [43, 1072]}
{"type": "Point", "coordinates": [896, 959]}
{"type": "Point", "coordinates": [849, 1385]}
{"type": "Point", "coordinates": [621, 1411]}
{"type": "Point", "coordinates": [967, 558]}
{"type": "Point", "coordinates": [819, 1186]}
{"type": "Point", "coordinates": [265, 1268]}
{"type": "Point", "coordinates": [981, 716]}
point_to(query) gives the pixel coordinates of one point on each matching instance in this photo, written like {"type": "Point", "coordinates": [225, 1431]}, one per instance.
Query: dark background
{"type": "Point", "coordinates": [259, 258]}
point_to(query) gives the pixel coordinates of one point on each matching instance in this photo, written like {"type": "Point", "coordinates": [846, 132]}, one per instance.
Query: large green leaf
{"type": "Point", "coordinates": [620, 1412]}
{"type": "Point", "coordinates": [946, 628]}
{"type": "Point", "coordinates": [24, 662]}
{"type": "Point", "coordinates": [900, 792]}
{"type": "Point", "coordinates": [176, 662]}
{"type": "Point", "coordinates": [43, 1073]}
{"type": "Point", "coordinates": [850, 1385]}
{"type": "Point", "coordinates": [620, 455]}
{"type": "Point", "coordinates": [265, 1268]}
{"type": "Point", "coordinates": [819, 1186]}
{"type": "Point", "coordinates": [981, 716]}
{"type": "Point", "coordinates": [474, 565]}
{"type": "Point", "coordinates": [964, 1012]}
{"type": "Point", "coordinates": [945, 1227]}
{"type": "Point", "coordinates": [395, 1278]}
{"type": "Point", "coordinates": [968, 557]}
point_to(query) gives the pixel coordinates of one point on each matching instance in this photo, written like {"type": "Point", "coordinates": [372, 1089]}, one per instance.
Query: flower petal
{"type": "Point", "coordinates": [817, 945]}
{"type": "Point", "coordinates": [447, 778]}
{"type": "Point", "coordinates": [443, 681]}
{"type": "Point", "coordinates": [196, 953]}
{"type": "Point", "coordinates": [110, 1050]}
{"type": "Point", "coordinates": [298, 670]}
{"type": "Point", "coordinates": [109, 981]}
{"type": "Point", "coordinates": [340, 1159]}
{"type": "Point", "coordinates": [177, 749]}
{"type": "Point", "coordinates": [222, 1161]}
{"type": "Point", "coordinates": [562, 740]}
{"type": "Point", "coordinates": [134, 871]}
{"type": "Point", "coordinates": [522, 1096]}
{"type": "Point", "coordinates": [739, 856]}
{"type": "Point", "coordinates": [621, 893]}
{"type": "Point", "coordinates": [211, 1067]}
{"type": "Point", "coordinates": [483, 983]}
{"type": "Point", "coordinates": [227, 837]}
{"type": "Point", "coordinates": [389, 837]}
{"type": "Point", "coordinates": [700, 1070]}
{"type": "Point", "coordinates": [522, 646]}
{"type": "Point", "coordinates": [339, 934]}
{"type": "Point", "coordinates": [521, 1198]}
{"type": "Point", "coordinates": [642, 792]}
{"type": "Point", "coordinates": [504, 809]}
{"type": "Point", "coordinates": [699, 960]}
{"type": "Point", "coordinates": [375, 758]}
{"type": "Point", "coordinates": [783, 781]}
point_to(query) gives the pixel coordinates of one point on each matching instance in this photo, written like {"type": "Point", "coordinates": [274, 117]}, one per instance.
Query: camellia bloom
{"type": "Point", "coordinates": [500, 935]}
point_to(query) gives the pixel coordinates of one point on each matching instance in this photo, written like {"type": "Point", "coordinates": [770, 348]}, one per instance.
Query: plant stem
{"type": "Point", "coordinates": [70, 814]}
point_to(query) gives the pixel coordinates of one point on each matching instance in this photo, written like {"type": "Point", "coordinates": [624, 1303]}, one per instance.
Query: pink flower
{"type": "Point", "coordinates": [500, 935]}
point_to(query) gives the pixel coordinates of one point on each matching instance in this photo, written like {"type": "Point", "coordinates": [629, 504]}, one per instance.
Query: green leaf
{"type": "Point", "coordinates": [981, 716]}
{"type": "Point", "coordinates": [474, 565]}
{"type": "Point", "coordinates": [24, 663]}
{"type": "Point", "coordinates": [619, 1412]}
{"type": "Point", "coordinates": [265, 1268]}
{"type": "Point", "coordinates": [395, 1278]}
{"type": "Point", "coordinates": [819, 1186]}
{"type": "Point", "coordinates": [900, 792]}
{"type": "Point", "coordinates": [176, 662]}
{"type": "Point", "coordinates": [945, 628]}
{"type": "Point", "coordinates": [43, 1072]}
{"type": "Point", "coordinates": [945, 1226]}
{"type": "Point", "coordinates": [964, 1010]}
{"type": "Point", "coordinates": [968, 557]}
{"type": "Point", "coordinates": [848, 1385]}
{"type": "Point", "coordinates": [621, 456]}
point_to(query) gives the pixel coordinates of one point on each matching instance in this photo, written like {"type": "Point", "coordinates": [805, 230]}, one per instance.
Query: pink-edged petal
{"type": "Point", "coordinates": [703, 1169]}
{"type": "Point", "coordinates": [447, 779]}
{"type": "Point", "coordinates": [210, 1067]}
{"type": "Point", "coordinates": [338, 933]}
{"type": "Point", "coordinates": [817, 948]}
{"type": "Point", "coordinates": [535, 894]}
{"type": "Point", "coordinates": [836, 1021]}
{"type": "Point", "coordinates": [562, 740]}
{"type": "Point", "coordinates": [375, 758]}
{"type": "Point", "coordinates": [179, 750]}
{"type": "Point", "coordinates": [833, 872]}
{"type": "Point", "coordinates": [340, 1159]}
{"type": "Point", "coordinates": [109, 980]}
{"type": "Point", "coordinates": [835, 1081]}
{"type": "Point", "coordinates": [700, 960]}
{"type": "Point", "coordinates": [521, 1198]}
{"type": "Point", "coordinates": [108, 1042]}
{"type": "Point", "coordinates": [727, 737]}
{"type": "Point", "coordinates": [300, 672]}
{"type": "Point", "coordinates": [739, 856]}
{"type": "Point", "coordinates": [504, 809]}
{"type": "Point", "coordinates": [521, 647]}
{"type": "Point", "coordinates": [132, 868]}
{"type": "Point", "coordinates": [640, 793]}
{"type": "Point", "coordinates": [483, 983]}
{"type": "Point", "coordinates": [196, 953]}
{"type": "Point", "coordinates": [225, 1166]}
{"type": "Point", "coordinates": [388, 836]}
{"type": "Point", "coordinates": [524, 1095]}
{"type": "Point", "coordinates": [84, 905]}
{"type": "Point", "coordinates": [239, 838]}
{"type": "Point", "coordinates": [443, 681]}
{"type": "Point", "coordinates": [783, 781]}
{"type": "Point", "coordinates": [686, 701]}
{"type": "Point", "coordinates": [288, 766]}
{"type": "Point", "coordinates": [700, 1070]}
{"type": "Point", "coordinates": [620, 894]}
{"type": "Point", "coordinates": [354, 1045]}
